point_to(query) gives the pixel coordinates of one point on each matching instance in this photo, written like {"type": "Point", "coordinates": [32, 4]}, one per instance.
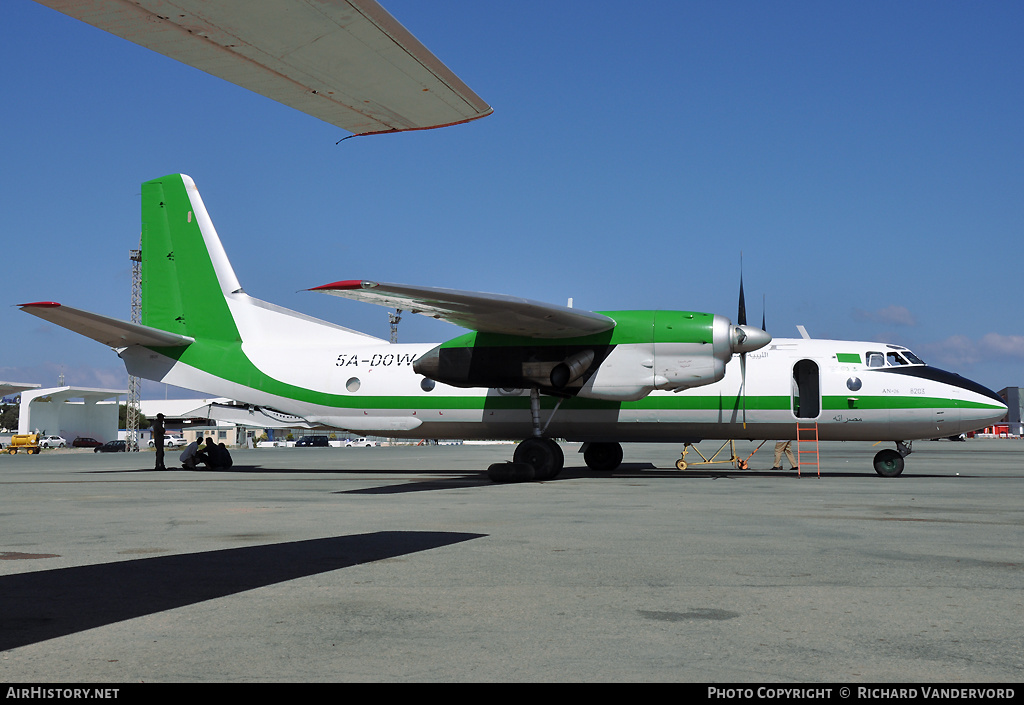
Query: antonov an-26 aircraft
{"type": "Point", "coordinates": [528, 371]}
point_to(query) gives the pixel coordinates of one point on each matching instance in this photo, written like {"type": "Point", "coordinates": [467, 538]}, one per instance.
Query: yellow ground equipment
{"type": "Point", "coordinates": [733, 459]}
{"type": "Point", "coordinates": [28, 442]}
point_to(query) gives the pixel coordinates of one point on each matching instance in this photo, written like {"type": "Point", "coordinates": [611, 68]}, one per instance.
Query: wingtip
{"type": "Point", "coordinates": [345, 285]}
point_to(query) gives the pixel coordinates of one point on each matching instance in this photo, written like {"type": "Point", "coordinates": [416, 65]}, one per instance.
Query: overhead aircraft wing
{"type": "Point", "coordinates": [484, 313]}
{"type": "Point", "coordinates": [109, 331]}
{"type": "Point", "coordinates": [347, 62]}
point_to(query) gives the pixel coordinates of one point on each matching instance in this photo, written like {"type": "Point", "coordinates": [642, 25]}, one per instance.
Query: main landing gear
{"type": "Point", "coordinates": [889, 463]}
{"type": "Point", "coordinates": [602, 457]}
{"type": "Point", "coordinates": [542, 459]}
{"type": "Point", "coordinates": [535, 458]}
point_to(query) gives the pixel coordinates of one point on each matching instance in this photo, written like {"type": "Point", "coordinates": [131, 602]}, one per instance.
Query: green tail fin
{"type": "Point", "coordinates": [185, 273]}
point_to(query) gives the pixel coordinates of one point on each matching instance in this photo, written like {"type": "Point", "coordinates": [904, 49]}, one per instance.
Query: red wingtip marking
{"type": "Point", "coordinates": [48, 304]}
{"type": "Point", "coordinates": [347, 284]}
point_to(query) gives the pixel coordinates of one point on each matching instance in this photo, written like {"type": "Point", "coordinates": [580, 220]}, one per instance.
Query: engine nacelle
{"type": "Point", "coordinates": [647, 350]}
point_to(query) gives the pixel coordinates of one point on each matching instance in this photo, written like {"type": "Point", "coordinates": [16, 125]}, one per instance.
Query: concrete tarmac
{"type": "Point", "coordinates": [406, 564]}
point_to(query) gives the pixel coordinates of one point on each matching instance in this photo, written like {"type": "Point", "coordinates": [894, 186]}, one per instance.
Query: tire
{"type": "Point", "coordinates": [888, 463]}
{"type": "Point", "coordinates": [603, 457]}
{"type": "Point", "coordinates": [543, 454]}
{"type": "Point", "coordinates": [511, 472]}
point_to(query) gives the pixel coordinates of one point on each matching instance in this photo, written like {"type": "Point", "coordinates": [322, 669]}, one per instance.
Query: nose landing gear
{"type": "Point", "coordinates": [889, 463]}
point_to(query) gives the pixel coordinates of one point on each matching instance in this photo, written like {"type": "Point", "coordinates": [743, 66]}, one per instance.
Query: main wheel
{"type": "Point", "coordinates": [888, 463]}
{"type": "Point", "coordinates": [543, 454]}
{"type": "Point", "coordinates": [603, 457]}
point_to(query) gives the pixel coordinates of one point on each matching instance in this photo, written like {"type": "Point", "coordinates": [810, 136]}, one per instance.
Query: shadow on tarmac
{"type": "Point", "coordinates": [48, 604]}
{"type": "Point", "coordinates": [473, 478]}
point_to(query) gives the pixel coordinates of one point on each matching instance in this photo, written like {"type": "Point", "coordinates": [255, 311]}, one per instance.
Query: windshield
{"type": "Point", "coordinates": [894, 359]}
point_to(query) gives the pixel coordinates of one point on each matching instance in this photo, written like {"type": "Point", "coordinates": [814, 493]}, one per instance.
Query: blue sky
{"type": "Point", "coordinates": [865, 158]}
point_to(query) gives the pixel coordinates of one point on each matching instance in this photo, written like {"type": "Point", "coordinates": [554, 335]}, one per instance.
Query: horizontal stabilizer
{"type": "Point", "coordinates": [484, 313]}
{"type": "Point", "coordinates": [249, 415]}
{"type": "Point", "coordinates": [109, 331]}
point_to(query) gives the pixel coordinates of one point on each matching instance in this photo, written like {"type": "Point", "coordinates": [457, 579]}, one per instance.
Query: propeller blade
{"type": "Point", "coordinates": [762, 314]}
{"type": "Point", "coordinates": [741, 316]}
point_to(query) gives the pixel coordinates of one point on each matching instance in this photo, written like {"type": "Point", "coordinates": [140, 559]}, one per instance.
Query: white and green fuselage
{"type": "Point", "coordinates": [370, 386]}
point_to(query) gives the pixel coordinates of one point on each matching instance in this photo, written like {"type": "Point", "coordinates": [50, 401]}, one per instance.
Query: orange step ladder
{"type": "Point", "coordinates": [805, 436]}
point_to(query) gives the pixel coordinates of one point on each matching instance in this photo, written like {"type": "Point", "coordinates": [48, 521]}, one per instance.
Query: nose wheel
{"type": "Point", "coordinates": [889, 463]}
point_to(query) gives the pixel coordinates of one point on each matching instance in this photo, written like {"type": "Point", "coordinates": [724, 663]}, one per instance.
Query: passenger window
{"type": "Point", "coordinates": [876, 359]}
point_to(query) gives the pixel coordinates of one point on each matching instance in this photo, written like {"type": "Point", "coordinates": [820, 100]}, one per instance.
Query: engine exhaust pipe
{"type": "Point", "coordinates": [571, 369]}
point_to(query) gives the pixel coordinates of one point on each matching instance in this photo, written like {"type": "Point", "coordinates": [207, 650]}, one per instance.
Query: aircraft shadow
{"type": "Point", "coordinates": [234, 468]}
{"type": "Point", "coordinates": [472, 478]}
{"type": "Point", "coordinates": [48, 604]}
{"type": "Point", "coordinates": [646, 470]}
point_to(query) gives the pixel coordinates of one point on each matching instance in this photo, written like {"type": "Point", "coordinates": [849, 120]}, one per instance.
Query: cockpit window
{"type": "Point", "coordinates": [876, 359]}
{"type": "Point", "coordinates": [914, 359]}
{"type": "Point", "coordinates": [895, 359]}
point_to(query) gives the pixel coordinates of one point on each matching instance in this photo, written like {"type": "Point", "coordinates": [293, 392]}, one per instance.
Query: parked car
{"type": "Point", "coordinates": [83, 442]}
{"type": "Point", "coordinates": [311, 441]}
{"type": "Point", "coordinates": [111, 447]}
{"type": "Point", "coordinates": [360, 443]}
{"type": "Point", "coordinates": [52, 442]}
{"type": "Point", "coordinates": [170, 442]}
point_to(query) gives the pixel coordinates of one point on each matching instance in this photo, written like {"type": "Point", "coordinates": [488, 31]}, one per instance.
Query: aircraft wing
{"type": "Point", "coordinates": [484, 313]}
{"type": "Point", "coordinates": [109, 331]}
{"type": "Point", "coordinates": [347, 62]}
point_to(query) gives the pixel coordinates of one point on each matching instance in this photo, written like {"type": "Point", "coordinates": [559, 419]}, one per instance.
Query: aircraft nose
{"type": "Point", "coordinates": [979, 406]}
{"type": "Point", "coordinates": [748, 338]}
{"type": "Point", "coordinates": [979, 414]}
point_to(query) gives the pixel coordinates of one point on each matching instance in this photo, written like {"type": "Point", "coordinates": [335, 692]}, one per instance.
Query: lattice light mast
{"type": "Point", "coordinates": [134, 383]}
{"type": "Point", "coordinates": [393, 319]}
